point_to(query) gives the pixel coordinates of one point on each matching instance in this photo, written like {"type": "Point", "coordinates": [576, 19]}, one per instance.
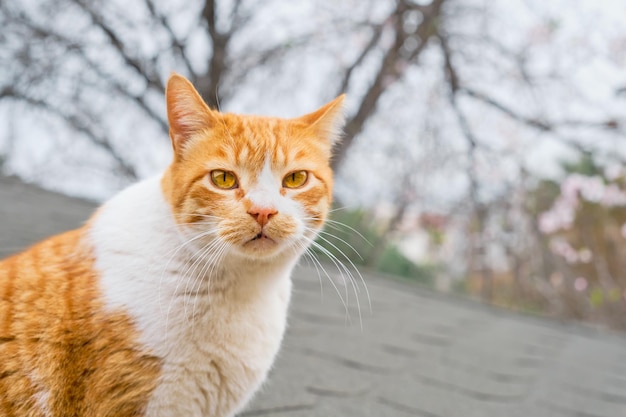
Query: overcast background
{"type": "Point", "coordinates": [467, 122]}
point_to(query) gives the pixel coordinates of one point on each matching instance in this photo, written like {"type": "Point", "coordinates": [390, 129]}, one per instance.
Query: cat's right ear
{"type": "Point", "coordinates": [187, 113]}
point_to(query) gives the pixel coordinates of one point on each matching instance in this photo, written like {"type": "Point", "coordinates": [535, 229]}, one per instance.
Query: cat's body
{"type": "Point", "coordinates": [201, 330]}
{"type": "Point", "coordinates": [172, 300]}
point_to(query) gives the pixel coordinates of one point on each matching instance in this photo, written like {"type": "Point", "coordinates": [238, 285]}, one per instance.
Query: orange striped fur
{"type": "Point", "coordinates": [59, 354]}
{"type": "Point", "coordinates": [73, 339]}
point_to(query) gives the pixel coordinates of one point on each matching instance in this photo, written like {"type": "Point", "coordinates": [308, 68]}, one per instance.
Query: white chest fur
{"type": "Point", "coordinates": [217, 335]}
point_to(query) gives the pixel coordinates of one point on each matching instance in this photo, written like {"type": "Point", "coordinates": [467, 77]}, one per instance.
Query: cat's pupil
{"type": "Point", "coordinates": [224, 179]}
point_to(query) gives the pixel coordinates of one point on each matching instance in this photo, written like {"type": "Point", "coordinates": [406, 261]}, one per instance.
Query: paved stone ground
{"type": "Point", "coordinates": [428, 355]}
{"type": "Point", "coordinates": [418, 353]}
{"type": "Point", "coordinates": [29, 214]}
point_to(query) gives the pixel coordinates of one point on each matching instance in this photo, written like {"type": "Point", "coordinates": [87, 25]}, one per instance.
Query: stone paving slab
{"type": "Point", "coordinates": [438, 356]}
{"type": "Point", "coordinates": [29, 214]}
{"type": "Point", "coordinates": [417, 353]}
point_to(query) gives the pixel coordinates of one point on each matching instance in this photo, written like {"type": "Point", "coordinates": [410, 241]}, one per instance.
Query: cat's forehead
{"type": "Point", "coordinates": [252, 141]}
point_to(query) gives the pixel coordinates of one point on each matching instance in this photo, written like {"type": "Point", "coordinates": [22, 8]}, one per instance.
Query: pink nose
{"type": "Point", "coordinates": [262, 214]}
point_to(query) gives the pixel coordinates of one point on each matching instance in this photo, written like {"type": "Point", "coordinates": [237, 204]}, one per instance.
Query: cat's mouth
{"type": "Point", "coordinates": [261, 244]}
{"type": "Point", "coordinates": [262, 237]}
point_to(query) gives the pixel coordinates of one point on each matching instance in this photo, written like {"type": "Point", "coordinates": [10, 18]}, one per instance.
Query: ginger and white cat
{"type": "Point", "coordinates": [172, 299]}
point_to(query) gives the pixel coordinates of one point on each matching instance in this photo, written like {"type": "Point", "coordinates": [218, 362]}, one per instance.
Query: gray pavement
{"type": "Point", "coordinates": [424, 354]}
{"type": "Point", "coordinates": [29, 214]}
{"type": "Point", "coordinates": [417, 353]}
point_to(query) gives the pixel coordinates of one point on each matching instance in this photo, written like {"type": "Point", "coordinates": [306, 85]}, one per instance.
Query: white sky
{"type": "Point", "coordinates": [576, 49]}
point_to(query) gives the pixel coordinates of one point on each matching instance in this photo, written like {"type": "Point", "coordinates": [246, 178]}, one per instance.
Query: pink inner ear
{"type": "Point", "coordinates": [328, 120]}
{"type": "Point", "coordinates": [187, 113]}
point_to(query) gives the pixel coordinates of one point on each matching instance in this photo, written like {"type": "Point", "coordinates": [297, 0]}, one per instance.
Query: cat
{"type": "Point", "coordinates": [172, 299]}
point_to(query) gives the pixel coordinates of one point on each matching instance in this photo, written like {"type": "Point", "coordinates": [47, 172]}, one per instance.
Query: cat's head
{"type": "Point", "coordinates": [254, 186]}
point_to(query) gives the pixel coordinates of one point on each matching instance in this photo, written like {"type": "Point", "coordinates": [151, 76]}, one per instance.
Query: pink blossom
{"type": "Point", "coordinates": [589, 188]}
{"type": "Point", "coordinates": [557, 279]}
{"type": "Point", "coordinates": [592, 189]}
{"type": "Point", "coordinates": [613, 172]}
{"type": "Point", "coordinates": [575, 187]}
{"type": "Point", "coordinates": [580, 284]}
{"type": "Point", "coordinates": [562, 248]}
{"type": "Point", "coordinates": [570, 187]}
{"type": "Point", "coordinates": [560, 216]}
{"type": "Point", "coordinates": [585, 255]}
{"type": "Point", "coordinates": [613, 196]}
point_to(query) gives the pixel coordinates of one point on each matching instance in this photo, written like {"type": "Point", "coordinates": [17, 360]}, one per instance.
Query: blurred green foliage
{"type": "Point", "coordinates": [392, 261]}
{"type": "Point", "coordinates": [354, 239]}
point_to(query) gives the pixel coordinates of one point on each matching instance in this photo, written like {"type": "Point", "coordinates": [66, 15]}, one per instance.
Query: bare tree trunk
{"type": "Point", "coordinates": [481, 253]}
{"type": "Point", "coordinates": [391, 68]}
{"type": "Point", "coordinates": [208, 84]}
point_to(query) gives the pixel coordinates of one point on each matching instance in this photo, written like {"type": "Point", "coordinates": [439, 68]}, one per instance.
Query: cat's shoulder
{"type": "Point", "coordinates": [147, 191]}
{"type": "Point", "coordinates": [137, 204]}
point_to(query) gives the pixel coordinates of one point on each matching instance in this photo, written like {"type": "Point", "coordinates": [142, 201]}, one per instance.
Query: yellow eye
{"type": "Point", "coordinates": [295, 179]}
{"type": "Point", "coordinates": [225, 180]}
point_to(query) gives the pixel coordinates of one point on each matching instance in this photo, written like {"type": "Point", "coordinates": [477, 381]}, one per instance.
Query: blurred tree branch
{"type": "Point", "coordinates": [478, 241]}
{"type": "Point", "coordinates": [608, 124]}
{"type": "Point", "coordinates": [35, 79]}
{"type": "Point", "coordinates": [124, 167]}
{"type": "Point", "coordinates": [147, 72]}
{"type": "Point", "coordinates": [176, 44]}
{"type": "Point", "coordinates": [394, 62]}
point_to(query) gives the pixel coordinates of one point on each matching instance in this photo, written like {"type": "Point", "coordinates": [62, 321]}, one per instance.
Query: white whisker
{"type": "Point", "coordinates": [207, 271]}
{"type": "Point", "coordinates": [332, 282]}
{"type": "Point", "coordinates": [322, 232]}
{"type": "Point", "coordinates": [201, 259]}
{"type": "Point", "coordinates": [308, 256]}
{"type": "Point", "coordinates": [174, 252]}
{"type": "Point", "coordinates": [342, 267]}
{"type": "Point", "coordinates": [193, 258]}
{"type": "Point", "coordinates": [334, 224]}
{"type": "Point", "coordinates": [351, 263]}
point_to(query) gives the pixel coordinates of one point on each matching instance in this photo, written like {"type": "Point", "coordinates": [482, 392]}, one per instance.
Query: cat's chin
{"type": "Point", "coordinates": [263, 247]}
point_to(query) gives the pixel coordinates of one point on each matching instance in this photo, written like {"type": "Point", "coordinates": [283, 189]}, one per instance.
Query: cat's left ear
{"type": "Point", "coordinates": [187, 113]}
{"type": "Point", "coordinates": [327, 122]}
